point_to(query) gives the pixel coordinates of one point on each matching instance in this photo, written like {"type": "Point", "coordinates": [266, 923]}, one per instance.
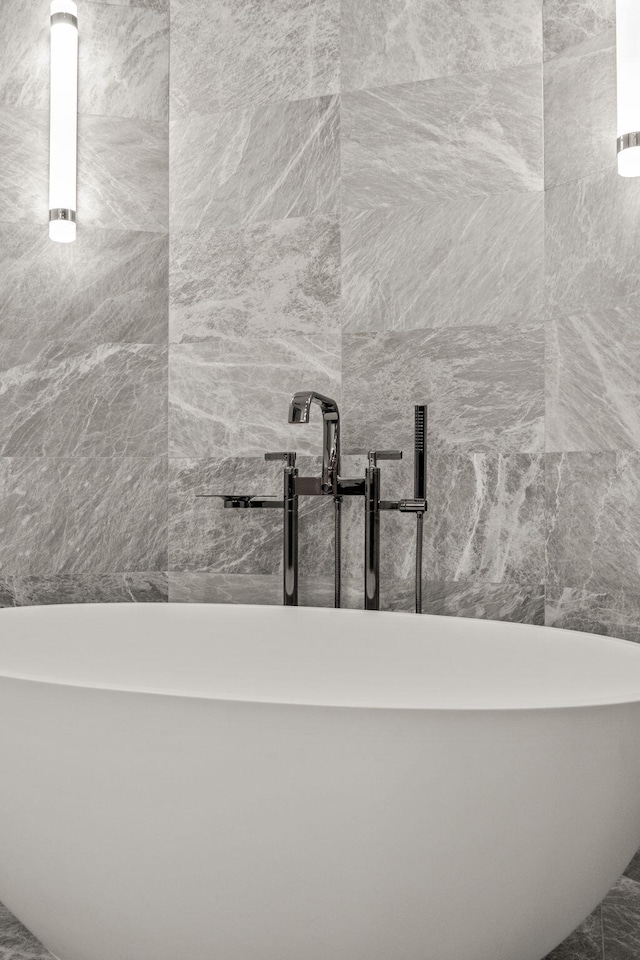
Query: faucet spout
{"type": "Point", "coordinates": [299, 410]}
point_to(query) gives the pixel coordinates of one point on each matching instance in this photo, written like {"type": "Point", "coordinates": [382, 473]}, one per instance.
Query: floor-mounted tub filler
{"type": "Point", "coordinates": [262, 783]}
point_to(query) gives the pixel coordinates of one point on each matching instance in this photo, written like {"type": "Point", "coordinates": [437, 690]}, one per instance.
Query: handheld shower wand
{"type": "Point", "coordinates": [419, 489]}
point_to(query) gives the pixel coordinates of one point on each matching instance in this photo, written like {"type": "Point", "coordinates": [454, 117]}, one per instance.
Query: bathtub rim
{"type": "Point", "coordinates": [134, 688]}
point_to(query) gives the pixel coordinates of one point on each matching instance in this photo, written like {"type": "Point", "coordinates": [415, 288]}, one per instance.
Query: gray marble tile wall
{"type": "Point", "coordinates": [398, 203]}
{"type": "Point", "coordinates": [83, 327]}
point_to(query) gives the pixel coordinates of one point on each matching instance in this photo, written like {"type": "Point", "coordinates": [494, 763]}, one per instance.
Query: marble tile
{"type": "Point", "coordinates": [123, 59]}
{"type": "Point", "coordinates": [162, 5]}
{"type": "Point", "coordinates": [612, 612]}
{"type": "Point", "coordinates": [7, 592]}
{"type": "Point", "coordinates": [486, 519]}
{"type": "Point", "coordinates": [517, 603]}
{"type": "Point", "coordinates": [109, 285]}
{"type": "Point", "coordinates": [241, 53]}
{"type": "Point", "coordinates": [258, 279]}
{"type": "Point", "coordinates": [621, 921]}
{"type": "Point", "coordinates": [16, 942]}
{"type": "Point", "coordinates": [443, 264]}
{"type": "Point", "coordinates": [242, 588]}
{"type": "Point", "coordinates": [396, 41]}
{"type": "Point", "coordinates": [123, 176]}
{"type": "Point", "coordinates": [92, 588]}
{"type": "Point", "coordinates": [205, 536]}
{"type": "Point", "coordinates": [593, 519]}
{"type": "Point", "coordinates": [592, 244]}
{"type": "Point", "coordinates": [67, 399]}
{"type": "Point", "coordinates": [568, 23]}
{"type": "Point", "coordinates": [24, 171]}
{"type": "Point", "coordinates": [72, 515]}
{"type": "Point", "coordinates": [257, 163]}
{"type": "Point", "coordinates": [443, 139]}
{"type": "Point", "coordinates": [25, 43]}
{"type": "Point", "coordinates": [484, 387]}
{"type": "Point", "coordinates": [123, 68]}
{"type": "Point", "coordinates": [585, 943]}
{"type": "Point", "coordinates": [580, 111]}
{"type": "Point", "coordinates": [593, 381]}
{"type": "Point", "coordinates": [227, 400]}
{"type": "Point", "coordinates": [633, 869]}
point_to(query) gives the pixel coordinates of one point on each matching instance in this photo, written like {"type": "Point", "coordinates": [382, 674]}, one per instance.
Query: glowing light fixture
{"type": "Point", "coordinates": [63, 117]}
{"type": "Point", "coordinates": [628, 62]}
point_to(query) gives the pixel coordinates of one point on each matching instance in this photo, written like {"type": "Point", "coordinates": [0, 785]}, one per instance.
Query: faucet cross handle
{"type": "Point", "coordinates": [288, 457]}
{"type": "Point", "coordinates": [375, 455]}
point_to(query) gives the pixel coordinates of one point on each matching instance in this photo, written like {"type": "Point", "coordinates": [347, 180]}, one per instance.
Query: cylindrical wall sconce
{"type": "Point", "coordinates": [63, 117]}
{"type": "Point", "coordinates": [628, 63]}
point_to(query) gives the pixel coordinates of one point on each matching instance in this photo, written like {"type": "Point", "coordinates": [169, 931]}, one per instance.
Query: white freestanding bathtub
{"type": "Point", "coordinates": [259, 783]}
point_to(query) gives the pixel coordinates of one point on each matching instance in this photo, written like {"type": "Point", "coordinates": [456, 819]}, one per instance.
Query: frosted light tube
{"type": "Point", "coordinates": [628, 66]}
{"type": "Point", "coordinates": [63, 121]}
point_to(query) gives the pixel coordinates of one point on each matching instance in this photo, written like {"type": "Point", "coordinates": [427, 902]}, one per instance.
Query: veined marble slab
{"type": "Point", "coordinates": [74, 514]}
{"type": "Point", "coordinates": [478, 260]}
{"type": "Point", "coordinates": [258, 279]}
{"type": "Point", "coordinates": [593, 381]}
{"type": "Point", "coordinates": [484, 386]}
{"type": "Point", "coordinates": [123, 59]}
{"type": "Point", "coordinates": [592, 244]}
{"type": "Point", "coordinates": [206, 536]}
{"type": "Point", "coordinates": [486, 518]}
{"type": "Point", "coordinates": [123, 173]}
{"type": "Point", "coordinates": [16, 942]}
{"type": "Point", "coordinates": [123, 68]}
{"type": "Point", "coordinates": [91, 588]}
{"type": "Point", "coordinates": [585, 943]}
{"type": "Point", "coordinates": [240, 53]}
{"type": "Point", "coordinates": [442, 139]}
{"type": "Point", "coordinates": [258, 163]}
{"type": "Point", "coordinates": [24, 171]}
{"type": "Point", "coordinates": [593, 510]}
{"type": "Point", "coordinates": [611, 612]}
{"type": "Point", "coordinates": [621, 920]}
{"type": "Point", "coordinates": [62, 399]}
{"type": "Point", "coordinates": [517, 603]}
{"type": "Point", "coordinates": [230, 398]}
{"type": "Point", "coordinates": [395, 41]}
{"type": "Point", "coordinates": [109, 285]}
{"type": "Point", "coordinates": [571, 22]}
{"type": "Point", "coordinates": [580, 111]}
{"type": "Point", "coordinates": [151, 4]}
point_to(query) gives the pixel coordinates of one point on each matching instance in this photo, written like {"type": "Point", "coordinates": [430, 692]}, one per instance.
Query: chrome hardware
{"type": "Point", "coordinates": [299, 409]}
{"type": "Point", "coordinates": [329, 483]}
{"type": "Point", "coordinates": [375, 455]}
{"type": "Point", "coordinates": [62, 213]}
{"type": "Point", "coordinates": [628, 140]}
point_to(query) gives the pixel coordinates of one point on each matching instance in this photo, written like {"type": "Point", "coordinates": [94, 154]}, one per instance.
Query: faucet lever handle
{"type": "Point", "coordinates": [287, 456]}
{"type": "Point", "coordinates": [375, 455]}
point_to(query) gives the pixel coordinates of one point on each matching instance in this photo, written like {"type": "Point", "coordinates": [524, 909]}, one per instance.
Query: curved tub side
{"type": "Point", "coordinates": [165, 824]}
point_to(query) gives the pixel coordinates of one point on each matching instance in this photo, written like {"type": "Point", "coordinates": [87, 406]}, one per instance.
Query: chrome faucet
{"type": "Point", "coordinates": [299, 409]}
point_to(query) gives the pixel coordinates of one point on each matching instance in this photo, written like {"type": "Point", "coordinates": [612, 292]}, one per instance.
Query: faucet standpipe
{"type": "Point", "coordinates": [331, 484]}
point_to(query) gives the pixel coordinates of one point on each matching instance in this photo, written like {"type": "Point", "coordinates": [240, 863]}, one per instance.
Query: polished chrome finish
{"type": "Point", "coordinates": [299, 409]}
{"type": "Point", "coordinates": [242, 501]}
{"type": "Point", "coordinates": [331, 484]}
{"type": "Point", "coordinates": [337, 552]}
{"type": "Point", "coordinates": [62, 17]}
{"type": "Point", "coordinates": [290, 532]}
{"type": "Point", "coordinates": [288, 458]}
{"type": "Point", "coordinates": [628, 140]}
{"type": "Point", "coordinates": [375, 455]}
{"type": "Point", "coordinates": [419, 490]}
{"type": "Point", "coordinates": [372, 536]}
{"type": "Point", "coordinates": [62, 213]}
